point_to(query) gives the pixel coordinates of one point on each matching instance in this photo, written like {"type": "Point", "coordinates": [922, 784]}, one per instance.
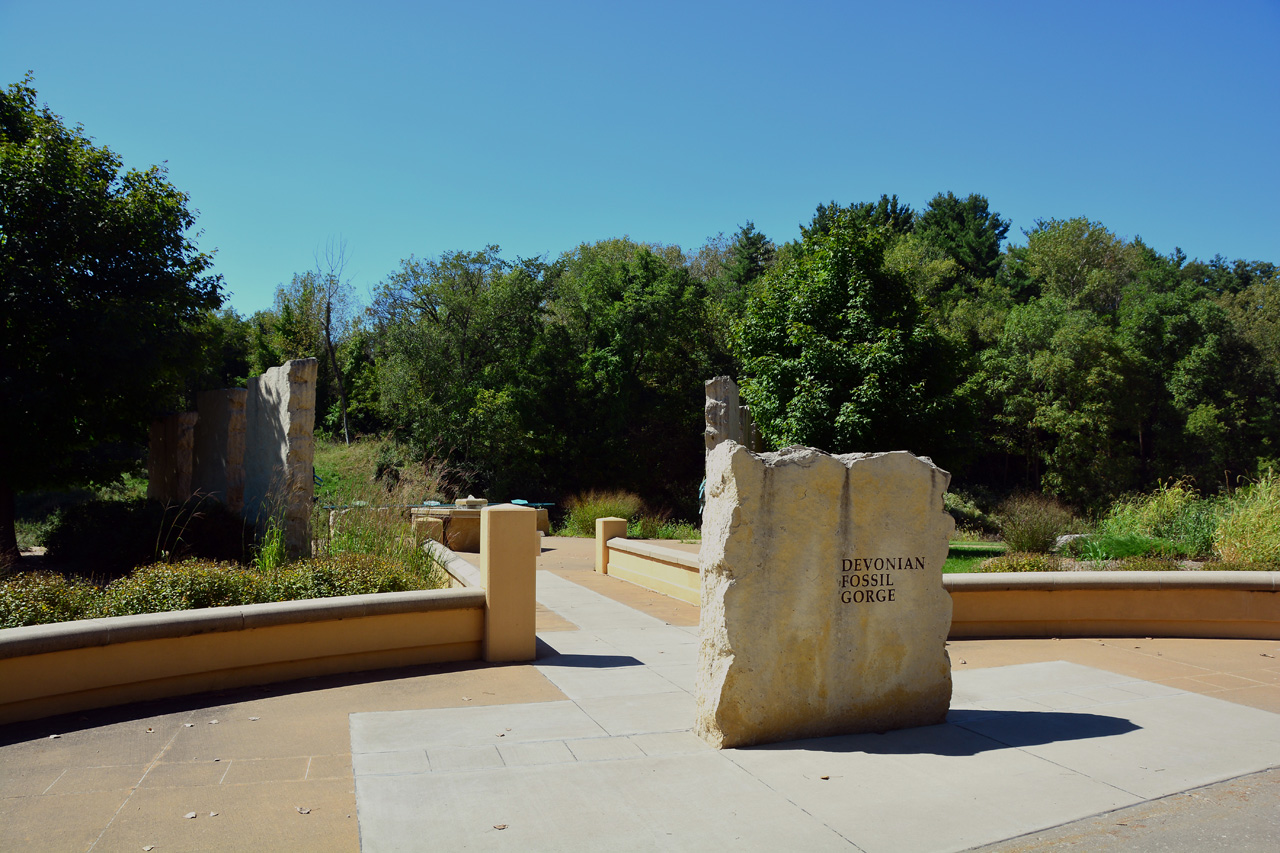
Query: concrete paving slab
{"type": "Point", "coordinates": [1174, 743]}
{"type": "Point", "coordinates": [1026, 747]}
{"type": "Point", "coordinates": [382, 763]}
{"type": "Point", "coordinates": [256, 817]}
{"type": "Point", "coordinates": [694, 802]}
{"type": "Point", "coordinates": [596, 683]}
{"type": "Point", "coordinates": [628, 715]}
{"type": "Point", "coordinates": [53, 824]}
{"type": "Point", "coordinates": [393, 731]}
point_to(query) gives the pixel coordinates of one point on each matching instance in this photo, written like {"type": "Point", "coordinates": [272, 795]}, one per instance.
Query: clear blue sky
{"type": "Point", "coordinates": [416, 128]}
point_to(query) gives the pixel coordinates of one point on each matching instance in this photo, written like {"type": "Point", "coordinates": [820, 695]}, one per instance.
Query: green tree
{"type": "Point", "coordinates": [967, 230]}
{"type": "Point", "coordinates": [458, 339]}
{"type": "Point", "coordinates": [837, 353]}
{"type": "Point", "coordinates": [630, 348]}
{"type": "Point", "coordinates": [102, 295]}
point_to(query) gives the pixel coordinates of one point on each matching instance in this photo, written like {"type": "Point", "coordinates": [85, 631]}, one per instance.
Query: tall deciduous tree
{"type": "Point", "coordinates": [837, 354]}
{"type": "Point", "coordinates": [101, 295]}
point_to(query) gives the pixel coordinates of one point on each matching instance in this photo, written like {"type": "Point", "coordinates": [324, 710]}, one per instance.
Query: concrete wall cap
{"type": "Point", "coordinates": [656, 552]}
{"type": "Point", "coordinates": [85, 633]}
{"type": "Point", "coordinates": [1061, 581]}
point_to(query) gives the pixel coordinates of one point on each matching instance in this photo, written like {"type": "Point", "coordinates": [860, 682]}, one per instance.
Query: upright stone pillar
{"type": "Point", "coordinates": [823, 610]}
{"type": "Point", "coordinates": [508, 566]}
{"type": "Point", "coordinates": [218, 466]}
{"type": "Point", "coordinates": [722, 413]}
{"type": "Point", "coordinates": [606, 529]}
{"type": "Point", "coordinates": [169, 457]}
{"type": "Point", "coordinates": [280, 449]}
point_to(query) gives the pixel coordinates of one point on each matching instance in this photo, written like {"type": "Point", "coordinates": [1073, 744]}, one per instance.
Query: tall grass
{"type": "Point", "coordinates": [1032, 523]}
{"type": "Point", "coordinates": [584, 509]}
{"type": "Point", "coordinates": [1174, 520]}
{"type": "Point", "coordinates": [1249, 529]}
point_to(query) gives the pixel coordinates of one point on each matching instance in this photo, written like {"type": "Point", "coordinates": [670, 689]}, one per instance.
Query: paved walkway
{"type": "Point", "coordinates": [589, 749]}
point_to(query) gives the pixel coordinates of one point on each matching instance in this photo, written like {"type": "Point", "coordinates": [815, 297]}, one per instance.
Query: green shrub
{"type": "Point", "coordinates": [1249, 528]}
{"type": "Point", "coordinates": [583, 510]}
{"type": "Point", "coordinates": [1121, 546]}
{"type": "Point", "coordinates": [34, 598]}
{"type": "Point", "coordinates": [1021, 562]}
{"type": "Point", "coordinates": [969, 517]}
{"type": "Point", "coordinates": [1033, 523]}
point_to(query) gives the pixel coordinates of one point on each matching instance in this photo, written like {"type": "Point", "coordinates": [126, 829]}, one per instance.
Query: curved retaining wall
{"type": "Point", "coordinates": [94, 663]}
{"type": "Point", "coordinates": [1116, 604]}
{"type": "Point", "coordinates": [1034, 604]}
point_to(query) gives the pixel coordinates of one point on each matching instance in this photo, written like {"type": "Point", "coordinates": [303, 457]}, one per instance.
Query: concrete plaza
{"type": "Point", "coordinates": [1079, 744]}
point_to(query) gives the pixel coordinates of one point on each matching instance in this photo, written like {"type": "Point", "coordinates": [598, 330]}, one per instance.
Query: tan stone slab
{"type": "Point", "coordinates": [19, 781]}
{"type": "Point", "coordinates": [330, 767]}
{"type": "Point", "coordinates": [1226, 681]}
{"type": "Point", "coordinates": [187, 774]}
{"type": "Point", "coordinates": [79, 780]}
{"type": "Point", "coordinates": [252, 770]}
{"type": "Point", "coordinates": [258, 817]}
{"type": "Point", "coordinates": [546, 619]}
{"type": "Point", "coordinates": [1265, 697]}
{"type": "Point", "coordinates": [51, 824]}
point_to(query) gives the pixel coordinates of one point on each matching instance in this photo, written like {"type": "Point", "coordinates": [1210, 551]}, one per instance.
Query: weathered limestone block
{"type": "Point", "coordinates": [218, 466]}
{"type": "Point", "coordinates": [280, 449]}
{"type": "Point", "coordinates": [169, 457]}
{"type": "Point", "coordinates": [823, 610]}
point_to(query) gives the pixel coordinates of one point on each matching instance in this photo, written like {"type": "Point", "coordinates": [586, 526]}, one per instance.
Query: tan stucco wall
{"type": "Point", "coordinates": [1210, 604]}
{"type": "Point", "coordinates": [669, 572]}
{"type": "Point", "coordinates": [85, 667]}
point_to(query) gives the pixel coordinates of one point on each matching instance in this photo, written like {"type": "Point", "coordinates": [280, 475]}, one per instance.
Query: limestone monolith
{"type": "Point", "coordinates": [823, 610]}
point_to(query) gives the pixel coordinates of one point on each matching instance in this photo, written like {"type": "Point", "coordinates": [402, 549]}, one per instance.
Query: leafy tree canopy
{"type": "Point", "coordinates": [966, 230]}
{"type": "Point", "coordinates": [101, 296]}
{"type": "Point", "coordinates": [837, 354]}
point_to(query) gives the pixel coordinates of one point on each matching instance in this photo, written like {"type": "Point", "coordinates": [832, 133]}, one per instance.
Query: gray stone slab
{"type": "Point", "coordinates": [589, 683]}
{"type": "Point", "coordinates": [925, 789]}
{"type": "Point", "coordinates": [397, 731]}
{"type": "Point", "coordinates": [1170, 743]}
{"type": "Point", "coordinates": [626, 715]}
{"type": "Point", "coordinates": [604, 749]}
{"type": "Point", "coordinates": [670, 743]}
{"type": "Point", "coordinates": [445, 759]}
{"type": "Point", "coordinates": [683, 676]}
{"type": "Point", "coordinates": [375, 763]}
{"type": "Point", "coordinates": [535, 754]}
{"type": "Point", "coordinates": [695, 802]}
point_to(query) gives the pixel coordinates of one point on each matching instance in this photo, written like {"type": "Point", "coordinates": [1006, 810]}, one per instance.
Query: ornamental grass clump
{"type": "Point", "coordinates": [1249, 529]}
{"type": "Point", "coordinates": [1032, 523]}
{"type": "Point", "coordinates": [1174, 520]}
{"type": "Point", "coordinates": [584, 509]}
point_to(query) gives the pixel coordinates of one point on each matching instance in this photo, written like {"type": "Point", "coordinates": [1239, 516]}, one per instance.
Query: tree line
{"type": "Point", "coordinates": [1072, 361]}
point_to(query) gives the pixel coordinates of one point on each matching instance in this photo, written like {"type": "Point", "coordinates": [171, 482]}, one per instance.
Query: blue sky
{"type": "Point", "coordinates": [417, 128]}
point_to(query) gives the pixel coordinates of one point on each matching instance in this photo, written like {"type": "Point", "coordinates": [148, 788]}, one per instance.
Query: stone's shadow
{"type": "Point", "coordinates": [995, 730]}
{"type": "Point", "coordinates": [548, 656]}
{"type": "Point", "coordinates": [214, 700]}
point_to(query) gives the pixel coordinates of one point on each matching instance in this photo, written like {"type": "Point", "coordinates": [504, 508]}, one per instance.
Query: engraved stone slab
{"type": "Point", "coordinates": [823, 610]}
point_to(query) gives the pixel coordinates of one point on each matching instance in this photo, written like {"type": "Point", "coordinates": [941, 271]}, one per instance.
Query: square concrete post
{"type": "Point", "coordinates": [606, 529]}
{"type": "Point", "coordinates": [508, 566]}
